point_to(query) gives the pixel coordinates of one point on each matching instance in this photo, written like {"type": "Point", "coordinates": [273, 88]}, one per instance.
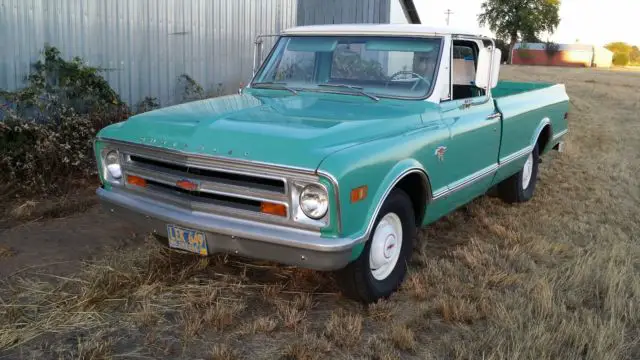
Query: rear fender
{"type": "Point", "coordinates": [536, 135]}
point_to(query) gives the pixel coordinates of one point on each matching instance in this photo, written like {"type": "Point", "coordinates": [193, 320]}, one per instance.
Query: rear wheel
{"type": "Point", "coordinates": [521, 186]}
{"type": "Point", "coordinates": [382, 266]}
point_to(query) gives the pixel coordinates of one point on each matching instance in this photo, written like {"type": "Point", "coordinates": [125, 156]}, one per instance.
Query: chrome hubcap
{"type": "Point", "coordinates": [527, 171]}
{"type": "Point", "coordinates": [385, 246]}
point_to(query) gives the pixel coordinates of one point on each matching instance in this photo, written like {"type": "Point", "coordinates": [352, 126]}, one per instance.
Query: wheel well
{"type": "Point", "coordinates": [416, 185]}
{"type": "Point", "coordinates": [544, 138]}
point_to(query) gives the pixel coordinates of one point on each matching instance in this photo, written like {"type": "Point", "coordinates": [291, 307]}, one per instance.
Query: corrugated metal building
{"type": "Point", "coordinates": [578, 55]}
{"type": "Point", "coordinates": [145, 45]}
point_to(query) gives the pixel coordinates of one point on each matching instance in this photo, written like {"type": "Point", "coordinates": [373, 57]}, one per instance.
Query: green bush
{"type": "Point", "coordinates": [47, 128]}
{"type": "Point", "coordinates": [621, 59]}
{"type": "Point", "coordinates": [43, 158]}
{"type": "Point", "coordinates": [55, 82]}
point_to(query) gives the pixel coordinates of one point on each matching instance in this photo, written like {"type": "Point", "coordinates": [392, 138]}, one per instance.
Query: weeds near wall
{"type": "Point", "coordinates": [55, 82]}
{"type": "Point", "coordinates": [147, 104]}
{"type": "Point", "coordinates": [189, 89]}
{"type": "Point", "coordinates": [46, 128]}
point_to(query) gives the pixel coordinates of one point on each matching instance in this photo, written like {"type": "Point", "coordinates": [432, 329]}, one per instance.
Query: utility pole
{"type": "Point", "coordinates": [448, 13]}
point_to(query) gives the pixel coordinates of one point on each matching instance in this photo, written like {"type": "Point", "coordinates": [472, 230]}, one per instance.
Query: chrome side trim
{"type": "Point", "coordinates": [515, 156]}
{"type": "Point", "coordinates": [465, 182]}
{"type": "Point", "coordinates": [440, 193]}
{"type": "Point", "coordinates": [562, 133]}
{"type": "Point", "coordinates": [494, 116]}
{"type": "Point", "coordinates": [479, 175]}
{"type": "Point", "coordinates": [388, 191]}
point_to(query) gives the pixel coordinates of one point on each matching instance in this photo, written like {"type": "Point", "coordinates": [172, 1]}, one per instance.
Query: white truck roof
{"type": "Point", "coordinates": [377, 29]}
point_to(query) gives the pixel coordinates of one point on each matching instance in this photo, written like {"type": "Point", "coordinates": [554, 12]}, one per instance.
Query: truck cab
{"type": "Point", "coordinates": [347, 140]}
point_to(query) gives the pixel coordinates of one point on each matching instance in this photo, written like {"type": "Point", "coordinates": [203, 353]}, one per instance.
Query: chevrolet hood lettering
{"type": "Point", "coordinates": [295, 131]}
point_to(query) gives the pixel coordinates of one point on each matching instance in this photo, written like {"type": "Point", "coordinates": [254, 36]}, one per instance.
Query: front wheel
{"type": "Point", "coordinates": [382, 266]}
{"type": "Point", "coordinates": [521, 186]}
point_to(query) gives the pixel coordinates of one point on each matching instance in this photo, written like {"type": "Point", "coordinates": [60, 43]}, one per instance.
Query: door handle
{"type": "Point", "coordinates": [494, 116]}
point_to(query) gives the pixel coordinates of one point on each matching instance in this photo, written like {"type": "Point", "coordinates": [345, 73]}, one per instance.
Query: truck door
{"type": "Point", "coordinates": [471, 155]}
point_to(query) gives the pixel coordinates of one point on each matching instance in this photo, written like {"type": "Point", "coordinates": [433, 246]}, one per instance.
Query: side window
{"type": "Point", "coordinates": [465, 60]}
{"type": "Point", "coordinates": [464, 65]}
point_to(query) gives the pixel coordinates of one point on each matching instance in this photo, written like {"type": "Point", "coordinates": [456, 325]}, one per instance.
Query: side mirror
{"type": "Point", "coordinates": [257, 54]}
{"type": "Point", "coordinates": [488, 68]}
{"type": "Point", "coordinates": [257, 51]}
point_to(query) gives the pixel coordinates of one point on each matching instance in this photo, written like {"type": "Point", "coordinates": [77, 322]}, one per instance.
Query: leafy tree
{"type": "Point", "coordinates": [619, 47]}
{"type": "Point", "coordinates": [511, 20]}
{"type": "Point", "coordinates": [621, 59]}
{"type": "Point", "coordinates": [634, 56]}
{"type": "Point", "coordinates": [622, 52]}
{"type": "Point", "coordinates": [504, 47]}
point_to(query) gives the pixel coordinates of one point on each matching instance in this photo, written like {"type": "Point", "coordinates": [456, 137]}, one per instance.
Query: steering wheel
{"type": "Point", "coordinates": [407, 72]}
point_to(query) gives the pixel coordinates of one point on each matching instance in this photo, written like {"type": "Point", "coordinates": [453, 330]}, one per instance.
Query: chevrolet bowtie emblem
{"type": "Point", "coordinates": [187, 185]}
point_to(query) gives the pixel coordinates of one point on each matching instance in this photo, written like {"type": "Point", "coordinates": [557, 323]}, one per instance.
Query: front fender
{"type": "Point", "coordinates": [393, 177]}
{"type": "Point", "coordinates": [379, 165]}
{"type": "Point", "coordinates": [358, 219]}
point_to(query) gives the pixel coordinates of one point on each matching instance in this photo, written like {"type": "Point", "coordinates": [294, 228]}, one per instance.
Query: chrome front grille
{"type": "Point", "coordinates": [223, 186]}
{"type": "Point", "coordinates": [207, 197]}
{"type": "Point", "coordinates": [208, 175]}
{"type": "Point", "coordinates": [237, 188]}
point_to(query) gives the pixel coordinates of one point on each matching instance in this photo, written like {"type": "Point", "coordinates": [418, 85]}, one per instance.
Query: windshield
{"type": "Point", "coordinates": [371, 66]}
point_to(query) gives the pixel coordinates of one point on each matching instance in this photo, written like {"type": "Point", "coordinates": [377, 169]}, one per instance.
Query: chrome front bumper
{"type": "Point", "coordinates": [231, 235]}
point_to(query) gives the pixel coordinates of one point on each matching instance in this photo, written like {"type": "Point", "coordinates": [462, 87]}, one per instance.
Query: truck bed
{"type": "Point", "coordinates": [526, 109]}
{"type": "Point", "coordinates": [508, 88]}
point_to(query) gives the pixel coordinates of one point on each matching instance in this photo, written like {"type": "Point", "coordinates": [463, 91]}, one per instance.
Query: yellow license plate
{"type": "Point", "coordinates": [186, 239]}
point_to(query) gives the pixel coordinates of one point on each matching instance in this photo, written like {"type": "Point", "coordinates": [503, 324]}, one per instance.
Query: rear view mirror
{"type": "Point", "coordinates": [488, 68]}
{"type": "Point", "coordinates": [257, 51]}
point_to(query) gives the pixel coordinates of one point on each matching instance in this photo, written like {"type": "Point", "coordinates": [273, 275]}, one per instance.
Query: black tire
{"type": "Point", "coordinates": [356, 280]}
{"type": "Point", "coordinates": [511, 190]}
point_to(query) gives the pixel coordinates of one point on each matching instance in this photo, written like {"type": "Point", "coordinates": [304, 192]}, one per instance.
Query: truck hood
{"type": "Point", "coordinates": [298, 131]}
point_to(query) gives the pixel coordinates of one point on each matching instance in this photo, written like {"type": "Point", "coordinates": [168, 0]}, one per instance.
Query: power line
{"type": "Point", "coordinates": [449, 12]}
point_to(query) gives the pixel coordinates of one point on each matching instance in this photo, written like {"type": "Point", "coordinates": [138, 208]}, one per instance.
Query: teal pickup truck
{"type": "Point", "coordinates": [348, 139]}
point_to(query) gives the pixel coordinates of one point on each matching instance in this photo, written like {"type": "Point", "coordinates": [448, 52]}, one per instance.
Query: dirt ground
{"type": "Point", "coordinates": [556, 278]}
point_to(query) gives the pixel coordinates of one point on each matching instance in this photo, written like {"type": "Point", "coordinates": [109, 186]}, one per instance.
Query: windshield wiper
{"type": "Point", "coordinates": [274, 85]}
{"type": "Point", "coordinates": [359, 90]}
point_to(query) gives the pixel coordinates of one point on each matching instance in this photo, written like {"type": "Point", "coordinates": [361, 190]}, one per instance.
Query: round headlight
{"type": "Point", "coordinates": [314, 202]}
{"type": "Point", "coordinates": [112, 160]}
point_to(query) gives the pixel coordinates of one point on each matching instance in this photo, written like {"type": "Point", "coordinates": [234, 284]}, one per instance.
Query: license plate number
{"type": "Point", "coordinates": [187, 239]}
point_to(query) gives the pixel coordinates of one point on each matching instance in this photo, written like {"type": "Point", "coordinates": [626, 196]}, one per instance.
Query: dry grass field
{"type": "Point", "coordinates": [556, 278]}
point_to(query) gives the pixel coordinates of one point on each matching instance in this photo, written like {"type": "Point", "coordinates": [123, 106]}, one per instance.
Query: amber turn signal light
{"type": "Point", "coordinates": [136, 180]}
{"type": "Point", "coordinates": [359, 193]}
{"type": "Point", "coordinates": [273, 209]}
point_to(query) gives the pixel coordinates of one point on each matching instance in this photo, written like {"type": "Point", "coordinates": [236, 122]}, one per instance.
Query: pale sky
{"type": "Point", "coordinates": [591, 21]}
